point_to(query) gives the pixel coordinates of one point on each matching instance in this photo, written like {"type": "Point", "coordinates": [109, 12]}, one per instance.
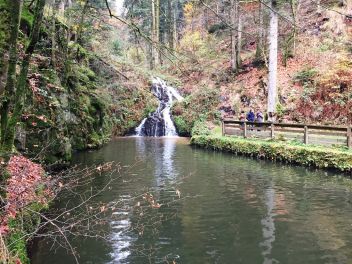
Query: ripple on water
{"type": "Point", "coordinates": [231, 209]}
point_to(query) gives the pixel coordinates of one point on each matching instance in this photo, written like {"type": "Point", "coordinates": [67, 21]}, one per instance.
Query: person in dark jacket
{"type": "Point", "coordinates": [250, 116]}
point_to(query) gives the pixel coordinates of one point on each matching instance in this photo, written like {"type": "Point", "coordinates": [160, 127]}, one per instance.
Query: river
{"type": "Point", "coordinates": [214, 208]}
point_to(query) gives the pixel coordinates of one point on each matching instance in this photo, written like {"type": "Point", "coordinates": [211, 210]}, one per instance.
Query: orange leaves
{"type": "Point", "coordinates": [22, 188]}
{"type": "Point", "coordinates": [150, 199]}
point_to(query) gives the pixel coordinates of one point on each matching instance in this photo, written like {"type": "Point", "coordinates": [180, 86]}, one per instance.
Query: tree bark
{"type": "Point", "coordinates": [15, 9]}
{"type": "Point", "coordinates": [273, 48]}
{"type": "Point", "coordinates": [81, 21]}
{"type": "Point", "coordinates": [217, 12]}
{"type": "Point", "coordinates": [3, 74]}
{"type": "Point", "coordinates": [239, 40]}
{"type": "Point", "coordinates": [9, 136]}
{"type": "Point", "coordinates": [289, 46]}
{"type": "Point", "coordinates": [153, 50]}
{"type": "Point", "coordinates": [170, 25]}
{"type": "Point", "coordinates": [61, 8]}
{"type": "Point", "coordinates": [157, 23]}
{"type": "Point", "coordinates": [234, 14]}
{"type": "Point", "coordinates": [175, 17]}
{"type": "Point", "coordinates": [260, 39]}
{"type": "Point", "coordinates": [53, 32]}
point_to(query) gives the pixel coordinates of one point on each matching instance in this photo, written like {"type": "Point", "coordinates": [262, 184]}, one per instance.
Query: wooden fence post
{"type": "Point", "coordinates": [305, 134]}
{"type": "Point", "coordinates": [272, 131]}
{"type": "Point", "coordinates": [349, 137]}
{"type": "Point", "coordinates": [245, 130]}
{"type": "Point", "coordinates": [223, 128]}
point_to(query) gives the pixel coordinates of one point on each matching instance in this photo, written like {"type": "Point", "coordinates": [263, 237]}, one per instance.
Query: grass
{"type": "Point", "coordinates": [306, 155]}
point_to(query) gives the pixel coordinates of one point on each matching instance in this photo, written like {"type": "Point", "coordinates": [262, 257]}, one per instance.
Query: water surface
{"type": "Point", "coordinates": [215, 208]}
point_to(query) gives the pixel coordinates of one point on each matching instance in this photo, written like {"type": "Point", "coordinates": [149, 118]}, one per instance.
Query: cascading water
{"type": "Point", "coordinates": [159, 123]}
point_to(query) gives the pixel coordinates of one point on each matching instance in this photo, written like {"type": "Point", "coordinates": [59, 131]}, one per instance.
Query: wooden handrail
{"type": "Point", "coordinates": [292, 125]}
{"type": "Point", "coordinates": [306, 128]}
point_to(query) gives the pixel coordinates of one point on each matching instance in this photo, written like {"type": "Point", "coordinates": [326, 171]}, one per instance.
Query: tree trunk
{"type": "Point", "coordinates": [157, 23]}
{"type": "Point", "coordinates": [260, 39]}
{"type": "Point", "coordinates": [9, 136]}
{"type": "Point", "coordinates": [170, 25]}
{"type": "Point", "coordinates": [290, 43]}
{"type": "Point", "coordinates": [3, 74]}
{"type": "Point", "coordinates": [234, 35]}
{"type": "Point", "coordinates": [239, 40]}
{"type": "Point", "coordinates": [217, 12]}
{"type": "Point", "coordinates": [175, 17]}
{"type": "Point", "coordinates": [273, 48]}
{"type": "Point", "coordinates": [61, 8]}
{"type": "Point", "coordinates": [53, 33]}
{"type": "Point", "coordinates": [81, 21]}
{"type": "Point", "coordinates": [206, 18]}
{"type": "Point", "coordinates": [15, 9]}
{"type": "Point", "coordinates": [153, 50]}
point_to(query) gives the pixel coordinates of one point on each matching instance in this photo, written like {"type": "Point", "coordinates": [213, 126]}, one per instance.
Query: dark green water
{"type": "Point", "coordinates": [231, 210]}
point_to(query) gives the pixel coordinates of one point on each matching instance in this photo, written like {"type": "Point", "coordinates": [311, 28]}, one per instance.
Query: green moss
{"type": "Point", "coordinates": [200, 106]}
{"type": "Point", "coordinates": [24, 224]}
{"type": "Point", "coordinates": [4, 28]}
{"type": "Point", "coordinates": [314, 156]}
{"type": "Point", "coordinates": [27, 16]}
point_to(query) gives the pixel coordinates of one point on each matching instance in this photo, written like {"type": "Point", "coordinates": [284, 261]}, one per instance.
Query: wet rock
{"type": "Point", "coordinates": [160, 122]}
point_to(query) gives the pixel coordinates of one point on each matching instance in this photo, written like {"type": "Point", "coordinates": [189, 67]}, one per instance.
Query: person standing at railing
{"type": "Point", "coordinates": [259, 118]}
{"type": "Point", "coordinates": [250, 116]}
{"type": "Point", "coordinates": [242, 118]}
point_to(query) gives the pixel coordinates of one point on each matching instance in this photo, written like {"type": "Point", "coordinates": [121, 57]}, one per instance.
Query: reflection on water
{"type": "Point", "coordinates": [268, 226]}
{"type": "Point", "coordinates": [165, 173]}
{"type": "Point", "coordinates": [162, 154]}
{"type": "Point", "coordinates": [228, 210]}
{"type": "Point", "coordinates": [120, 237]}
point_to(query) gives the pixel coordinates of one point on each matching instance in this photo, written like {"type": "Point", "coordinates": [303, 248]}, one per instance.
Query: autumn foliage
{"type": "Point", "coordinates": [26, 185]}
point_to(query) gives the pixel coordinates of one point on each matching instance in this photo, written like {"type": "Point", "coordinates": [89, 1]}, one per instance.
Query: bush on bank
{"type": "Point", "coordinates": [314, 156]}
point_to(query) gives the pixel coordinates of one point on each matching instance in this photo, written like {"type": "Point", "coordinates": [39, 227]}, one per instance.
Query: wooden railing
{"type": "Point", "coordinates": [308, 134]}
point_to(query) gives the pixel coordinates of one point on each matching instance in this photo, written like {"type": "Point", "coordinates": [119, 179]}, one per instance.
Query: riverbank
{"type": "Point", "coordinates": [312, 156]}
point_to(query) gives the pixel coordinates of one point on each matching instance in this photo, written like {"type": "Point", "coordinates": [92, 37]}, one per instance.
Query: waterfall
{"type": "Point", "coordinates": [160, 123]}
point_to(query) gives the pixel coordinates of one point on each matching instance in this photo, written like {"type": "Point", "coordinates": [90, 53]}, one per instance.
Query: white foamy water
{"type": "Point", "coordinates": [160, 122]}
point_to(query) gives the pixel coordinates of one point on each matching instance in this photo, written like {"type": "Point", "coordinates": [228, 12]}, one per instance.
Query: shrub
{"type": "Point", "coordinates": [194, 44]}
{"type": "Point", "coordinates": [217, 27]}
{"type": "Point", "coordinates": [200, 128]}
{"type": "Point", "coordinates": [305, 76]}
{"type": "Point", "coordinates": [117, 47]}
{"type": "Point", "coordinates": [199, 107]}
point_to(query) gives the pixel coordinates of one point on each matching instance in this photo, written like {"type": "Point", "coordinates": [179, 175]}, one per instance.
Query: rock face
{"type": "Point", "coordinates": [160, 123]}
